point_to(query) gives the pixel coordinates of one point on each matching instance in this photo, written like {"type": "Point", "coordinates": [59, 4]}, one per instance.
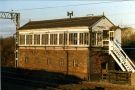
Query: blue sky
{"type": "Point", "coordinates": [121, 13]}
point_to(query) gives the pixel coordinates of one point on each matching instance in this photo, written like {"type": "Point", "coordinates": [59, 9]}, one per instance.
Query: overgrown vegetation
{"type": "Point", "coordinates": [7, 51]}
{"type": "Point", "coordinates": [128, 37]}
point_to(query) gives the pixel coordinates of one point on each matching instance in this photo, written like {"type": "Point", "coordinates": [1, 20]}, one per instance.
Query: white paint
{"type": "Point", "coordinates": [78, 38]}
{"type": "Point", "coordinates": [55, 30]}
{"type": "Point", "coordinates": [58, 39]}
{"type": "Point", "coordinates": [117, 35]}
{"type": "Point", "coordinates": [58, 45]}
{"type": "Point", "coordinates": [40, 39]}
{"type": "Point", "coordinates": [102, 24]}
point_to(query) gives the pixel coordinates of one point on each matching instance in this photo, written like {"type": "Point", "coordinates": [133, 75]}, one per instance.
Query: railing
{"type": "Point", "coordinates": [133, 65]}
{"type": "Point", "coordinates": [119, 77]}
{"type": "Point", "coordinates": [105, 42]}
{"type": "Point", "coordinates": [120, 57]}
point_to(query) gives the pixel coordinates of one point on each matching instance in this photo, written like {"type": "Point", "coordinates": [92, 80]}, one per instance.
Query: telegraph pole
{"type": "Point", "coordinates": [1, 48]}
{"type": "Point", "coordinates": [15, 17]}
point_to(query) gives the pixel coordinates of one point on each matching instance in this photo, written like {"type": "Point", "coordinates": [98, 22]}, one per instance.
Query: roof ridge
{"type": "Point", "coordinates": [66, 18]}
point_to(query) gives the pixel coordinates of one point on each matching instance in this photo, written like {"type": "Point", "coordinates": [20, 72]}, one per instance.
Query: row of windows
{"type": "Point", "coordinates": [55, 39]}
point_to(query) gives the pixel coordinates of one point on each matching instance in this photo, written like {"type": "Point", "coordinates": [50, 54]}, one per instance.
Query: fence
{"type": "Point", "coordinates": [119, 77]}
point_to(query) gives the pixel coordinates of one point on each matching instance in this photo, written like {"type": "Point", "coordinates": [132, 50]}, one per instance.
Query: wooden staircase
{"type": "Point", "coordinates": [121, 57]}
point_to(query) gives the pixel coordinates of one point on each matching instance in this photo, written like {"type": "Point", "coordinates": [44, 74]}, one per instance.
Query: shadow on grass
{"type": "Point", "coordinates": [53, 79]}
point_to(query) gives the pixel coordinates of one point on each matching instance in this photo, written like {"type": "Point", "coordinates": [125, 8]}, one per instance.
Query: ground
{"type": "Point", "coordinates": [82, 86]}
{"type": "Point", "coordinates": [39, 80]}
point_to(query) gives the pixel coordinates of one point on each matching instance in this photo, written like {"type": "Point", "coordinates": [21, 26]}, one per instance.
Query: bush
{"type": "Point", "coordinates": [7, 47]}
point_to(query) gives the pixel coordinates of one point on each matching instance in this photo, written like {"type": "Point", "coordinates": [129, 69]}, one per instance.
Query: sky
{"type": "Point", "coordinates": [120, 12]}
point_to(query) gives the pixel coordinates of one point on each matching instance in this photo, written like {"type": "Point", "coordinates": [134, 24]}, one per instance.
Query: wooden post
{"type": "Point", "coordinates": [133, 79]}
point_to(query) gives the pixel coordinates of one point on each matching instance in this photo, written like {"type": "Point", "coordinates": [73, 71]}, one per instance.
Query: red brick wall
{"type": "Point", "coordinates": [51, 60]}
{"type": "Point", "coordinates": [97, 58]}
{"type": "Point", "coordinates": [55, 60]}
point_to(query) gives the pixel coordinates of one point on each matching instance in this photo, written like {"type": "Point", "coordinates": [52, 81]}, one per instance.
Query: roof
{"type": "Point", "coordinates": [67, 22]}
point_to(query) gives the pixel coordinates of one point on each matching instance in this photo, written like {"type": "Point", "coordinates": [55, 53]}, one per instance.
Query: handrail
{"type": "Point", "coordinates": [124, 53]}
{"type": "Point", "coordinates": [118, 62]}
{"type": "Point", "coordinates": [124, 59]}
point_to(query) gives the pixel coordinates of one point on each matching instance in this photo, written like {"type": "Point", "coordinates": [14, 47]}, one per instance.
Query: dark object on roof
{"type": "Point", "coordinates": [67, 22]}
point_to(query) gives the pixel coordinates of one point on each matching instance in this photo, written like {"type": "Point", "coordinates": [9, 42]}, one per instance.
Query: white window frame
{"type": "Point", "coordinates": [53, 39]}
{"type": "Point", "coordinates": [29, 40]}
{"type": "Point", "coordinates": [73, 38]}
{"type": "Point", "coordinates": [21, 40]}
{"type": "Point", "coordinates": [36, 39]}
{"type": "Point", "coordinates": [46, 39]}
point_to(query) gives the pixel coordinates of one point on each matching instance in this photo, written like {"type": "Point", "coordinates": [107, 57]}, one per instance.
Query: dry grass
{"type": "Point", "coordinates": [96, 86]}
{"type": "Point", "coordinates": [128, 37]}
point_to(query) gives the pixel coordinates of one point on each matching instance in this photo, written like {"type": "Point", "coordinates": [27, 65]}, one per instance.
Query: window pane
{"type": "Point", "coordinates": [81, 38]}
{"type": "Point", "coordinates": [28, 39]}
{"type": "Point", "coordinates": [111, 36]}
{"type": "Point", "coordinates": [45, 39]}
{"type": "Point", "coordinates": [86, 38]}
{"type": "Point", "coordinates": [93, 38]}
{"type": "Point", "coordinates": [75, 38]}
{"type": "Point", "coordinates": [22, 39]}
{"type": "Point", "coordinates": [37, 39]}
{"type": "Point", "coordinates": [99, 38]}
{"type": "Point", "coordinates": [53, 39]}
{"type": "Point", "coordinates": [72, 38]}
{"type": "Point", "coordinates": [105, 34]}
{"type": "Point", "coordinates": [63, 38]}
